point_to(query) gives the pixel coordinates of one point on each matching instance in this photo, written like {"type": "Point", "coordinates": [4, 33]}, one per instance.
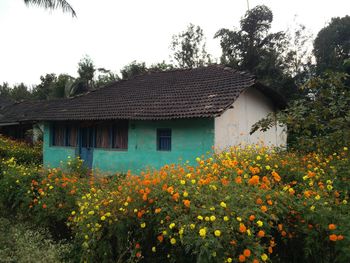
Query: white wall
{"type": "Point", "coordinates": [234, 125]}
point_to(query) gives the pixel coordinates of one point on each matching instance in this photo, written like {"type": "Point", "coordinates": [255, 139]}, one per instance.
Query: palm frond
{"type": "Point", "coordinates": [53, 4]}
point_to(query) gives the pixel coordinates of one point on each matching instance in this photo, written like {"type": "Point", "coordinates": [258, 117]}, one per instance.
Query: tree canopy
{"type": "Point", "coordinates": [53, 4]}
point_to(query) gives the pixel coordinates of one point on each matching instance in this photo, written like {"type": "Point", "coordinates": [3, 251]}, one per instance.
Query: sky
{"type": "Point", "coordinates": [35, 41]}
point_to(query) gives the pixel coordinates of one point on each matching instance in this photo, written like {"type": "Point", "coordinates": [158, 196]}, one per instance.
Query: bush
{"type": "Point", "coordinates": [247, 205]}
{"type": "Point", "coordinates": [21, 151]}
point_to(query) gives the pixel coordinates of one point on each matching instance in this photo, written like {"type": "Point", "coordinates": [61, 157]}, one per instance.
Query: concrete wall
{"type": "Point", "coordinates": [234, 125]}
{"type": "Point", "coordinates": [53, 155]}
{"type": "Point", "coordinates": [190, 138]}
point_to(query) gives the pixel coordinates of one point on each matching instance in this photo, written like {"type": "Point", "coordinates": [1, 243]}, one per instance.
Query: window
{"type": "Point", "coordinates": [112, 136]}
{"type": "Point", "coordinates": [164, 139]}
{"type": "Point", "coordinates": [64, 135]}
{"type": "Point", "coordinates": [120, 135]}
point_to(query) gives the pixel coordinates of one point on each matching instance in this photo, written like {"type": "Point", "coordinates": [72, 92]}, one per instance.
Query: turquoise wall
{"type": "Point", "coordinates": [190, 138]}
{"type": "Point", "coordinates": [53, 155]}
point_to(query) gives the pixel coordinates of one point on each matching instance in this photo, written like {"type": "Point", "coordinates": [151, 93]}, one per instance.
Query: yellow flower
{"type": "Point", "coordinates": [344, 202]}
{"type": "Point", "coordinates": [258, 158]}
{"type": "Point", "coordinates": [249, 232]}
{"type": "Point", "coordinates": [182, 182]}
{"type": "Point", "coordinates": [173, 241]}
{"type": "Point", "coordinates": [200, 217]}
{"type": "Point", "coordinates": [317, 197]}
{"type": "Point", "coordinates": [223, 204]}
{"type": "Point", "coordinates": [212, 208]}
{"type": "Point", "coordinates": [193, 181]}
{"type": "Point", "coordinates": [226, 218]}
{"type": "Point", "coordinates": [86, 237]}
{"type": "Point", "coordinates": [229, 260]}
{"type": "Point", "coordinates": [259, 223]}
{"type": "Point", "coordinates": [165, 233]}
{"type": "Point", "coordinates": [202, 232]}
{"type": "Point", "coordinates": [239, 219]}
{"type": "Point", "coordinates": [50, 187]}
{"type": "Point", "coordinates": [267, 167]}
{"type": "Point", "coordinates": [329, 187]}
{"type": "Point", "coordinates": [198, 159]}
{"type": "Point", "coordinates": [91, 212]}
{"type": "Point", "coordinates": [103, 218]}
{"type": "Point", "coordinates": [207, 218]}
{"type": "Point", "coordinates": [312, 208]}
{"type": "Point", "coordinates": [154, 249]}
{"type": "Point", "coordinates": [264, 257]}
{"type": "Point", "coordinates": [217, 233]}
{"type": "Point", "coordinates": [172, 225]}
{"type": "Point", "coordinates": [192, 226]}
{"type": "Point", "coordinates": [126, 204]}
{"type": "Point", "coordinates": [73, 213]}
{"type": "Point", "coordinates": [143, 225]}
{"type": "Point", "coordinates": [185, 194]}
{"type": "Point", "coordinates": [345, 148]}
{"type": "Point", "coordinates": [212, 218]}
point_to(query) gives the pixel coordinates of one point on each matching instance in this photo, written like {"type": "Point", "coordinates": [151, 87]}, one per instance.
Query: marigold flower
{"type": "Point", "coordinates": [138, 254]}
{"type": "Point", "coordinates": [143, 225]}
{"type": "Point", "coordinates": [229, 260]}
{"type": "Point", "coordinates": [242, 228]}
{"type": "Point", "coordinates": [173, 241]}
{"type": "Point", "coordinates": [264, 257]}
{"type": "Point", "coordinates": [185, 194]}
{"type": "Point", "coordinates": [203, 232]}
{"type": "Point", "coordinates": [259, 201]}
{"type": "Point", "coordinates": [333, 237]}
{"type": "Point", "coordinates": [246, 253]}
{"type": "Point", "coordinates": [217, 233]}
{"type": "Point", "coordinates": [261, 233]}
{"type": "Point", "coordinates": [137, 246]}
{"type": "Point", "coordinates": [251, 217]}
{"type": "Point", "coordinates": [340, 237]}
{"type": "Point", "coordinates": [332, 226]}
{"type": "Point", "coordinates": [154, 249]}
{"type": "Point", "coordinates": [264, 208]}
{"type": "Point", "coordinates": [160, 238]}
{"type": "Point", "coordinates": [157, 210]}
{"type": "Point", "coordinates": [254, 180]}
{"type": "Point", "coordinates": [187, 203]}
{"type": "Point", "coordinates": [200, 217]}
{"type": "Point", "coordinates": [212, 218]}
{"type": "Point", "coordinates": [223, 204]}
{"type": "Point", "coordinates": [259, 223]}
{"type": "Point", "coordinates": [241, 258]}
{"type": "Point", "coordinates": [44, 206]}
{"type": "Point", "coordinates": [226, 218]}
{"type": "Point", "coordinates": [238, 179]}
{"type": "Point", "coordinates": [172, 225]}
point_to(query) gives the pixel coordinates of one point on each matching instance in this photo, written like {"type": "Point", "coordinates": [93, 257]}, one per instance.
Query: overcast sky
{"type": "Point", "coordinates": [113, 33]}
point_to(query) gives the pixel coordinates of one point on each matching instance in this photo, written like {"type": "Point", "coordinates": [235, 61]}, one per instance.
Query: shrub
{"type": "Point", "coordinates": [247, 205]}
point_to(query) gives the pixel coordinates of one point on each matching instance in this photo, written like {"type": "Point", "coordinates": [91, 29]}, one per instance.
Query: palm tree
{"type": "Point", "coordinates": [53, 4]}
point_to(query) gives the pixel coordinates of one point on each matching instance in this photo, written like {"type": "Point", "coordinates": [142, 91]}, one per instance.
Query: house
{"type": "Point", "coordinates": [158, 118]}
{"type": "Point", "coordinates": [14, 122]}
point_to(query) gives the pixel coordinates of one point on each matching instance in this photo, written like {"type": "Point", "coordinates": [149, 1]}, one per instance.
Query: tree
{"type": "Point", "coordinates": [43, 90]}
{"type": "Point", "coordinates": [20, 92]}
{"type": "Point", "coordinates": [332, 44]}
{"type": "Point", "coordinates": [5, 90]}
{"type": "Point", "coordinates": [133, 69]}
{"type": "Point", "coordinates": [189, 48]}
{"type": "Point", "coordinates": [53, 4]}
{"type": "Point", "coordinates": [270, 56]}
{"type": "Point", "coordinates": [86, 71]}
{"type": "Point", "coordinates": [105, 76]}
{"type": "Point", "coordinates": [320, 121]}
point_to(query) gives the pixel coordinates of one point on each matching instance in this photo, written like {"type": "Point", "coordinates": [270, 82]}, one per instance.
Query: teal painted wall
{"type": "Point", "coordinates": [53, 155]}
{"type": "Point", "coordinates": [190, 138]}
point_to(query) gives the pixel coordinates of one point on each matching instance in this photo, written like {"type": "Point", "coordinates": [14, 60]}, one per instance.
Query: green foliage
{"type": "Point", "coordinates": [319, 121]}
{"type": "Point", "coordinates": [53, 4]}
{"type": "Point", "coordinates": [332, 45]}
{"type": "Point", "coordinates": [21, 242]}
{"type": "Point", "coordinates": [133, 69]}
{"type": "Point", "coordinates": [189, 48]}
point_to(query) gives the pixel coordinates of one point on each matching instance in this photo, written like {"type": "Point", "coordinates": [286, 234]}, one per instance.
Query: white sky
{"type": "Point", "coordinates": [113, 33]}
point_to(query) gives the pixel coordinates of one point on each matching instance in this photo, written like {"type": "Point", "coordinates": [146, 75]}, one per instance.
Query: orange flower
{"type": "Point", "coordinates": [44, 206]}
{"type": "Point", "coordinates": [332, 226]}
{"type": "Point", "coordinates": [276, 176]}
{"type": "Point", "coordinates": [283, 233]}
{"type": "Point", "coordinates": [254, 180]}
{"type": "Point", "coordinates": [333, 237]}
{"type": "Point", "coordinates": [238, 180]}
{"type": "Point", "coordinates": [138, 254]}
{"type": "Point", "coordinates": [157, 210]}
{"type": "Point", "coordinates": [340, 237]}
{"type": "Point", "coordinates": [160, 238]}
{"type": "Point", "coordinates": [246, 253]}
{"type": "Point", "coordinates": [252, 217]}
{"type": "Point", "coordinates": [255, 261]}
{"type": "Point", "coordinates": [187, 203]}
{"type": "Point", "coordinates": [269, 202]}
{"type": "Point", "coordinates": [259, 201]}
{"type": "Point", "coordinates": [137, 246]}
{"type": "Point", "coordinates": [264, 208]}
{"type": "Point", "coordinates": [261, 233]}
{"type": "Point", "coordinates": [233, 242]}
{"type": "Point", "coordinates": [280, 227]}
{"type": "Point", "coordinates": [241, 258]}
{"type": "Point", "coordinates": [176, 197]}
{"type": "Point", "coordinates": [242, 228]}
{"type": "Point", "coordinates": [270, 250]}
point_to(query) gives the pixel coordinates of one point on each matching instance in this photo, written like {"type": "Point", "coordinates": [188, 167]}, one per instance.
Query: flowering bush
{"type": "Point", "coordinates": [244, 205]}
{"type": "Point", "coordinates": [21, 151]}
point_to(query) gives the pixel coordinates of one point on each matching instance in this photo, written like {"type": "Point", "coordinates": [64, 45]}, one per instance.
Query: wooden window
{"type": "Point", "coordinates": [103, 136]}
{"type": "Point", "coordinates": [58, 135]}
{"type": "Point", "coordinates": [164, 139]}
{"type": "Point", "coordinates": [120, 135]}
{"type": "Point", "coordinates": [64, 135]}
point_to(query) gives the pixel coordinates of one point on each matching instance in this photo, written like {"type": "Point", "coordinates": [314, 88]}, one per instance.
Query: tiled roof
{"type": "Point", "coordinates": [187, 93]}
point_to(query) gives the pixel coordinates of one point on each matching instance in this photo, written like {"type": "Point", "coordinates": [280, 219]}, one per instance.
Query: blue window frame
{"type": "Point", "coordinates": [164, 139]}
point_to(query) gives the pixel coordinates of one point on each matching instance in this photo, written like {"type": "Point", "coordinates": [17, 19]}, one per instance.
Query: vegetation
{"type": "Point", "coordinates": [286, 207]}
{"type": "Point", "coordinates": [52, 4]}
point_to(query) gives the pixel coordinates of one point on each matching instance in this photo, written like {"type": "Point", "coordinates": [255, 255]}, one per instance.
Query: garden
{"type": "Point", "coordinates": [247, 204]}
